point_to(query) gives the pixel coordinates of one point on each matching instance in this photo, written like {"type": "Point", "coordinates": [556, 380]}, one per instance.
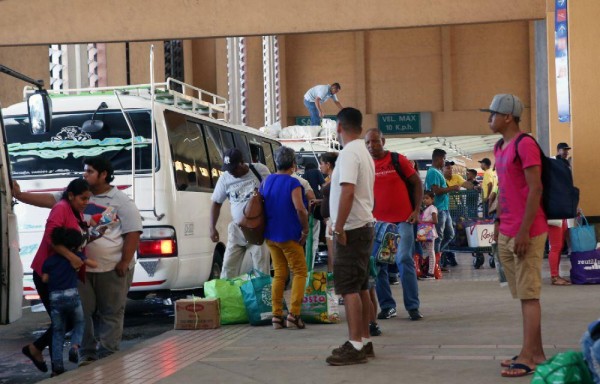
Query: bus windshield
{"type": "Point", "coordinates": [62, 150]}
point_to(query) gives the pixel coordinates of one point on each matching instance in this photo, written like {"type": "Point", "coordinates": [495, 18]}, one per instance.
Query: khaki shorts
{"type": "Point", "coordinates": [524, 275]}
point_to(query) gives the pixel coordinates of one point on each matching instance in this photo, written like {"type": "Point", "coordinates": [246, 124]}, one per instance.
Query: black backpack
{"type": "Point", "coordinates": [560, 197]}
{"type": "Point", "coordinates": [409, 188]}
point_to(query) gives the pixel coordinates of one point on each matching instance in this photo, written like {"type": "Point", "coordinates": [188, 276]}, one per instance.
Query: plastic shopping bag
{"type": "Point", "coordinates": [583, 236]}
{"type": "Point", "coordinates": [228, 292]}
{"type": "Point", "coordinates": [565, 368]}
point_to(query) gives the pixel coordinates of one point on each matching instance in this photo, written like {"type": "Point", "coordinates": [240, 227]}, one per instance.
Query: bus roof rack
{"type": "Point", "coordinates": [172, 92]}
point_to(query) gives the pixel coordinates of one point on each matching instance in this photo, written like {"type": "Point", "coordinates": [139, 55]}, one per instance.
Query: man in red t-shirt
{"type": "Point", "coordinates": [393, 205]}
{"type": "Point", "coordinates": [520, 227]}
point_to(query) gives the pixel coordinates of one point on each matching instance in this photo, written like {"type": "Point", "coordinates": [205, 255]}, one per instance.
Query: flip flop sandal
{"type": "Point", "coordinates": [41, 365]}
{"type": "Point", "coordinates": [557, 280]}
{"type": "Point", "coordinates": [507, 363]}
{"type": "Point", "coordinates": [521, 370]}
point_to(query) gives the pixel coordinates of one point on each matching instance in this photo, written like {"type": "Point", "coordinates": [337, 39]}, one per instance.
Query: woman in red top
{"type": "Point", "coordinates": [68, 212]}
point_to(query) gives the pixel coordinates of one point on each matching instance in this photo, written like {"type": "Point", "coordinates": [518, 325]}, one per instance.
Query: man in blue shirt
{"type": "Point", "coordinates": [435, 182]}
{"type": "Point", "coordinates": [316, 96]}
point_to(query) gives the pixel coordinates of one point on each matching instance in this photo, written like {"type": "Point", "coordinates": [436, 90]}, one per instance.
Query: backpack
{"type": "Point", "coordinates": [385, 243]}
{"type": "Point", "coordinates": [560, 197]}
{"type": "Point", "coordinates": [253, 222]}
{"type": "Point", "coordinates": [409, 187]}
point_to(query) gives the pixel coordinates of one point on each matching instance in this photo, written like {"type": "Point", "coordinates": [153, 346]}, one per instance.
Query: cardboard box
{"type": "Point", "coordinates": [197, 313]}
{"type": "Point", "coordinates": [480, 235]}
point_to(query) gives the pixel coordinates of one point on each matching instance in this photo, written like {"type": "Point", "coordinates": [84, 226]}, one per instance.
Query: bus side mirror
{"type": "Point", "coordinates": [39, 107]}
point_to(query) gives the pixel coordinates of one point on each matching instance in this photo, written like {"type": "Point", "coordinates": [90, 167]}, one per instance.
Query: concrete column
{"type": "Point", "coordinates": [117, 63]}
{"type": "Point", "coordinates": [585, 93]}
{"type": "Point", "coordinates": [188, 67]}
{"type": "Point", "coordinates": [447, 87]}
{"type": "Point", "coordinates": [255, 105]}
{"type": "Point", "coordinates": [360, 75]}
{"type": "Point", "coordinates": [540, 86]}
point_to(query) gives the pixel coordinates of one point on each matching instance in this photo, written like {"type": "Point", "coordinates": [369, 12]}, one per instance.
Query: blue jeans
{"type": "Point", "coordinates": [445, 231]}
{"type": "Point", "coordinates": [315, 119]}
{"type": "Point", "coordinates": [406, 268]}
{"type": "Point", "coordinates": [591, 351]}
{"type": "Point", "coordinates": [65, 306]}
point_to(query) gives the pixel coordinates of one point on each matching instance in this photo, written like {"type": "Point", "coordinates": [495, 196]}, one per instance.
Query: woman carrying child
{"type": "Point", "coordinates": [68, 213]}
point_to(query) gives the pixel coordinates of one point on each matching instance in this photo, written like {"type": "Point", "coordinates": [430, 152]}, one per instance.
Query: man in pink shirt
{"type": "Point", "coordinates": [520, 229]}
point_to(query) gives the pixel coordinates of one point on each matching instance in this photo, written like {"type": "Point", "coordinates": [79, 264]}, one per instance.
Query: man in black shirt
{"type": "Point", "coordinates": [562, 153]}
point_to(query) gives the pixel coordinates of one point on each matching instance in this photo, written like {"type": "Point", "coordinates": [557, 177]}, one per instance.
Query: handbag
{"type": "Point", "coordinates": [425, 232]}
{"type": "Point", "coordinates": [385, 243]}
{"type": "Point", "coordinates": [253, 220]}
{"type": "Point", "coordinates": [585, 267]}
{"type": "Point", "coordinates": [583, 236]}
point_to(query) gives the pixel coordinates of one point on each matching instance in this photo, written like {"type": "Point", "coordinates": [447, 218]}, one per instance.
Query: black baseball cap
{"type": "Point", "coordinates": [486, 161]}
{"type": "Point", "coordinates": [447, 163]}
{"type": "Point", "coordinates": [562, 146]}
{"type": "Point", "coordinates": [231, 159]}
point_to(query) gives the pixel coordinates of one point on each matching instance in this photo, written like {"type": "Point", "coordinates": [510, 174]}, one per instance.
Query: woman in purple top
{"type": "Point", "coordinates": [286, 231]}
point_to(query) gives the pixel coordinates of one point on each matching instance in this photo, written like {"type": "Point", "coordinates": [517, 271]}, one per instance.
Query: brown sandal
{"type": "Point", "coordinates": [278, 322]}
{"type": "Point", "coordinates": [295, 321]}
{"type": "Point", "coordinates": [557, 280]}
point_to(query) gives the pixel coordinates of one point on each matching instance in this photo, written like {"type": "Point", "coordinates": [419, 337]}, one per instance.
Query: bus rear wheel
{"type": "Point", "coordinates": [217, 264]}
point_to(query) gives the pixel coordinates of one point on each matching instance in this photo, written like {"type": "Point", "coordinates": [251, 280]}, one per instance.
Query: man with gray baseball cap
{"type": "Point", "coordinates": [505, 104]}
{"type": "Point", "coordinates": [520, 227]}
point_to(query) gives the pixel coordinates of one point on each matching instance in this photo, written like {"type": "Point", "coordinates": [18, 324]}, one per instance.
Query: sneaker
{"type": "Point", "coordinates": [393, 279]}
{"type": "Point", "coordinates": [74, 356]}
{"type": "Point", "coordinates": [451, 259]}
{"type": "Point", "coordinates": [86, 361]}
{"type": "Point", "coordinates": [374, 329]}
{"type": "Point", "coordinates": [56, 372]}
{"type": "Point", "coordinates": [369, 352]}
{"type": "Point", "coordinates": [387, 313]}
{"type": "Point", "coordinates": [415, 315]}
{"type": "Point", "coordinates": [444, 269]}
{"type": "Point", "coordinates": [346, 355]}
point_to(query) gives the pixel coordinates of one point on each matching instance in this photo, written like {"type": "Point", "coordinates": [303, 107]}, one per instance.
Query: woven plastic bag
{"type": "Point", "coordinates": [256, 293]}
{"type": "Point", "coordinates": [320, 304]}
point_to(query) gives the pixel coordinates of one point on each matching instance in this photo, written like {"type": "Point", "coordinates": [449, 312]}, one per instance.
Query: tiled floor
{"type": "Point", "coordinates": [154, 362]}
{"type": "Point", "coordinates": [470, 325]}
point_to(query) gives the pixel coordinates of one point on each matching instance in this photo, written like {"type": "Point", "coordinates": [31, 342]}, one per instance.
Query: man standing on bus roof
{"type": "Point", "coordinates": [237, 184]}
{"type": "Point", "coordinates": [316, 96]}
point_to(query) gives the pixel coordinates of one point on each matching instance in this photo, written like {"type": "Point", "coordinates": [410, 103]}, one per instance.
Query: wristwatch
{"type": "Point", "coordinates": [337, 233]}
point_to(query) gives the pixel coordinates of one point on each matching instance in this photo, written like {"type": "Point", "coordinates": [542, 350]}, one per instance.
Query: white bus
{"type": "Point", "coordinates": [169, 172]}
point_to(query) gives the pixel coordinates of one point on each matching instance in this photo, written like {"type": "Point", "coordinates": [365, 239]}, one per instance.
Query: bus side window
{"type": "Point", "coordinates": [257, 154]}
{"type": "Point", "coordinates": [188, 152]}
{"type": "Point", "coordinates": [241, 143]}
{"type": "Point", "coordinates": [215, 152]}
{"type": "Point", "coordinates": [268, 153]}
